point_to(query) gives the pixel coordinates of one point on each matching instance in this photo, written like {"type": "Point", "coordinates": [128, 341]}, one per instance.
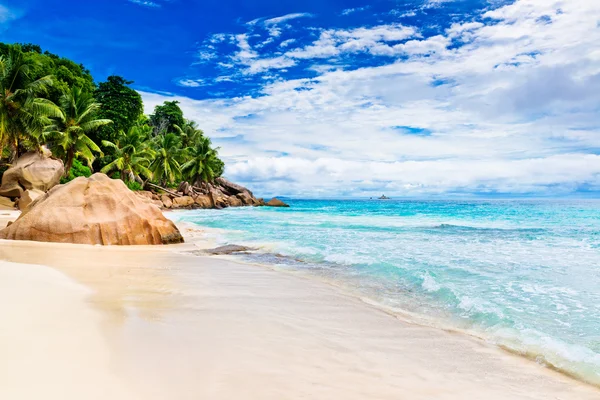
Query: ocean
{"type": "Point", "coordinates": [524, 274]}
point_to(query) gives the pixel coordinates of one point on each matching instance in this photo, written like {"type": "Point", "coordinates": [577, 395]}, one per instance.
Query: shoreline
{"type": "Point", "coordinates": [267, 254]}
{"type": "Point", "coordinates": [235, 320]}
{"type": "Point", "coordinates": [420, 320]}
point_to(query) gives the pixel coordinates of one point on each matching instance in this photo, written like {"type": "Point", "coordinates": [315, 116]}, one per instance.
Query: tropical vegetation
{"type": "Point", "coordinates": [47, 101]}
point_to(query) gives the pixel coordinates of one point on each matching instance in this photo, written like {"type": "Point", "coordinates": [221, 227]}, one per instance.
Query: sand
{"type": "Point", "coordinates": [160, 323]}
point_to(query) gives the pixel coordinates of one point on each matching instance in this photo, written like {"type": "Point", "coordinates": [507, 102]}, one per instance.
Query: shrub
{"type": "Point", "coordinates": [78, 169]}
{"type": "Point", "coordinates": [133, 185]}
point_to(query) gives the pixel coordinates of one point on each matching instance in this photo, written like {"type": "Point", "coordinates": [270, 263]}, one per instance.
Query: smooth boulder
{"type": "Point", "coordinates": [275, 202]}
{"type": "Point", "coordinates": [204, 201]}
{"type": "Point", "coordinates": [94, 210]}
{"type": "Point", "coordinates": [183, 201]}
{"type": "Point", "coordinates": [31, 171]}
{"type": "Point", "coordinates": [166, 201]}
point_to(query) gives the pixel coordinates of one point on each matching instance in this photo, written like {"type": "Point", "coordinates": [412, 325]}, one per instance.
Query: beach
{"type": "Point", "coordinates": [164, 322]}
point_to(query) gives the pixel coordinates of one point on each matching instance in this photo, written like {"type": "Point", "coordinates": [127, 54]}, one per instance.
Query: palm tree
{"type": "Point", "coordinates": [165, 167]}
{"type": "Point", "coordinates": [189, 133]}
{"type": "Point", "coordinates": [23, 115]}
{"type": "Point", "coordinates": [77, 120]}
{"type": "Point", "coordinates": [202, 164]}
{"type": "Point", "coordinates": [132, 155]}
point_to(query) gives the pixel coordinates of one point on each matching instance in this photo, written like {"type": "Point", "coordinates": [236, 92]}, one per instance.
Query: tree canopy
{"type": "Point", "coordinates": [167, 117]}
{"type": "Point", "coordinates": [119, 103]}
{"type": "Point", "coordinates": [48, 100]}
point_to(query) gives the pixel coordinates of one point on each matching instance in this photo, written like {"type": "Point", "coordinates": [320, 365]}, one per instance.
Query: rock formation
{"type": "Point", "coordinates": [220, 194]}
{"type": "Point", "coordinates": [95, 210]}
{"type": "Point", "coordinates": [31, 171]}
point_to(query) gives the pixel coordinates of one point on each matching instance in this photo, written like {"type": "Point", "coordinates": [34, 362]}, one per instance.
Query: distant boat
{"type": "Point", "coordinates": [384, 197]}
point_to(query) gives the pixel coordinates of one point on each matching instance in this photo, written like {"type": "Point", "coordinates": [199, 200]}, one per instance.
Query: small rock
{"type": "Point", "coordinates": [228, 249]}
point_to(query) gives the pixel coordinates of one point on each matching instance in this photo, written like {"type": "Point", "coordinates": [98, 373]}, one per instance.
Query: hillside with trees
{"type": "Point", "coordinates": [53, 102]}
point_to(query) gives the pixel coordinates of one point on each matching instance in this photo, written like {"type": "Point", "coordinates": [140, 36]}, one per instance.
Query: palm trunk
{"type": "Point", "coordinates": [14, 152]}
{"type": "Point", "coordinates": [69, 163]}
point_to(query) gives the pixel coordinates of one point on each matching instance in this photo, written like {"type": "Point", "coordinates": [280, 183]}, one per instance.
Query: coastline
{"type": "Point", "coordinates": [181, 326]}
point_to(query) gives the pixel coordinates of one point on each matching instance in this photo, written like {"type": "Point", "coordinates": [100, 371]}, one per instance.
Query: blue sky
{"type": "Point", "coordinates": [357, 98]}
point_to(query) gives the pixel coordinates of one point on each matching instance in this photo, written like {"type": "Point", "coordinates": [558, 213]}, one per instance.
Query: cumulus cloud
{"type": "Point", "coordinates": [333, 42]}
{"type": "Point", "coordinates": [506, 102]}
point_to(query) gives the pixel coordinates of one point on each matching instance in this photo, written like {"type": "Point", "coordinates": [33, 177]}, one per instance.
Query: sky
{"type": "Point", "coordinates": [343, 98]}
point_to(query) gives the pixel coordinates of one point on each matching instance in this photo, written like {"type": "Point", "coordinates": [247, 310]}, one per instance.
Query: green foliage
{"type": "Point", "coordinates": [165, 166]}
{"type": "Point", "coordinates": [188, 133]}
{"type": "Point", "coordinates": [131, 154]}
{"type": "Point", "coordinates": [166, 117]}
{"type": "Point", "coordinates": [49, 100]}
{"type": "Point", "coordinates": [78, 169]}
{"type": "Point", "coordinates": [23, 113]}
{"type": "Point", "coordinates": [77, 120]}
{"type": "Point", "coordinates": [65, 72]}
{"type": "Point", "coordinates": [119, 103]}
{"type": "Point", "coordinates": [219, 168]}
{"type": "Point", "coordinates": [202, 162]}
{"type": "Point", "coordinates": [133, 185]}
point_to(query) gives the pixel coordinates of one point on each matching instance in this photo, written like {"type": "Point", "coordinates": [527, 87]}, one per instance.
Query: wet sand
{"type": "Point", "coordinates": [157, 323]}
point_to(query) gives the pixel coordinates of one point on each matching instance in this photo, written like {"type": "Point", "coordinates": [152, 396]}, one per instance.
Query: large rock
{"type": "Point", "coordinates": [233, 201]}
{"type": "Point", "coordinates": [28, 197]}
{"type": "Point", "coordinates": [94, 210]}
{"type": "Point", "coordinates": [166, 201]}
{"type": "Point", "coordinates": [218, 198]}
{"type": "Point", "coordinates": [204, 201]}
{"type": "Point", "coordinates": [231, 187]}
{"type": "Point", "coordinates": [275, 202]}
{"type": "Point", "coordinates": [246, 198]}
{"type": "Point", "coordinates": [6, 204]}
{"type": "Point", "coordinates": [31, 171]}
{"type": "Point", "coordinates": [183, 201]}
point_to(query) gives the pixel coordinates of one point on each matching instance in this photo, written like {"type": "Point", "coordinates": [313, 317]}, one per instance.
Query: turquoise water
{"type": "Point", "coordinates": [523, 274]}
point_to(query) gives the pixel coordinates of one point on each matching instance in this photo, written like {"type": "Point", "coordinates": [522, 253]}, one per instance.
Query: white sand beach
{"type": "Point", "coordinates": [88, 322]}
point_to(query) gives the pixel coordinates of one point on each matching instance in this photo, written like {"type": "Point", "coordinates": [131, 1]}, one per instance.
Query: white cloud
{"type": "Point", "coordinates": [349, 11]}
{"type": "Point", "coordinates": [287, 43]}
{"type": "Point", "coordinates": [265, 64]}
{"type": "Point", "coordinates": [333, 42]}
{"type": "Point", "coordinates": [513, 108]}
{"type": "Point", "coordinates": [190, 82]}
{"type": "Point", "coordinates": [145, 3]}
{"type": "Point", "coordinates": [285, 18]}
